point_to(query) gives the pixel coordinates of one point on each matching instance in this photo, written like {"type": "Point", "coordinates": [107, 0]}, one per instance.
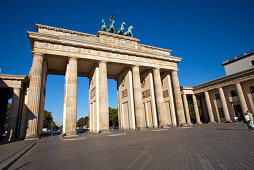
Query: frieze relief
{"type": "Point", "coordinates": [92, 93]}
{"type": "Point", "coordinates": [118, 42]}
{"type": "Point", "coordinates": [165, 93]}
{"type": "Point", "coordinates": [115, 57]}
{"type": "Point", "coordinates": [124, 93]}
{"type": "Point", "coordinates": [146, 94]}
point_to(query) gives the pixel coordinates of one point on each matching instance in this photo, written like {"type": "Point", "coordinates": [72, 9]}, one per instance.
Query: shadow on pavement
{"type": "Point", "coordinates": [24, 165]}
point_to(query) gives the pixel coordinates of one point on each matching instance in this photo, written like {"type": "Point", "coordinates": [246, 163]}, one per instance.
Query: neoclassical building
{"type": "Point", "coordinates": [148, 91]}
{"type": "Point", "coordinates": [223, 99]}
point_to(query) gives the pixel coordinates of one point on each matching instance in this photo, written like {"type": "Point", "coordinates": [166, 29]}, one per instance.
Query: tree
{"type": "Point", "coordinates": [7, 116]}
{"type": "Point", "coordinates": [83, 121]}
{"type": "Point", "coordinates": [113, 117]}
{"type": "Point", "coordinates": [48, 121]}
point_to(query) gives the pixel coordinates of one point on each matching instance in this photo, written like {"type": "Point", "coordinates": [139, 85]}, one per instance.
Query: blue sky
{"type": "Point", "coordinates": [203, 33]}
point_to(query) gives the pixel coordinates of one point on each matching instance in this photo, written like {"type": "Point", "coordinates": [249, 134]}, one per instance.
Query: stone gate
{"type": "Point", "coordinates": [148, 92]}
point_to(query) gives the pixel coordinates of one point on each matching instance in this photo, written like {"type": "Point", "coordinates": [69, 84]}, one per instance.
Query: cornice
{"type": "Point", "coordinates": [96, 45]}
{"type": "Point", "coordinates": [38, 26]}
{"type": "Point", "coordinates": [156, 48]}
{"type": "Point", "coordinates": [117, 36]}
{"type": "Point", "coordinates": [220, 82]}
{"type": "Point", "coordinates": [13, 77]}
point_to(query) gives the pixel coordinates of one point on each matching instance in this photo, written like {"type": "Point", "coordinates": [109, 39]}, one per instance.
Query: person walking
{"type": "Point", "coordinates": [247, 119]}
{"type": "Point", "coordinates": [251, 118]}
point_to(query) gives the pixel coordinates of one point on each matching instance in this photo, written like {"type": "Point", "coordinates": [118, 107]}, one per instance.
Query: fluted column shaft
{"type": "Point", "coordinates": [209, 107]}
{"type": "Point", "coordinates": [34, 95]}
{"type": "Point", "coordinates": [241, 98]}
{"type": "Point", "coordinates": [103, 93]}
{"type": "Point", "coordinates": [13, 115]}
{"type": "Point", "coordinates": [159, 97]}
{"type": "Point", "coordinates": [172, 106]}
{"type": "Point", "coordinates": [178, 99]}
{"type": "Point", "coordinates": [196, 109]}
{"type": "Point", "coordinates": [224, 105]}
{"type": "Point", "coordinates": [71, 97]}
{"type": "Point", "coordinates": [186, 108]}
{"type": "Point", "coordinates": [138, 103]}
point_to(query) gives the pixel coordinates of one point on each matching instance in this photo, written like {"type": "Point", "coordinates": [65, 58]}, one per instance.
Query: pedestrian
{"type": "Point", "coordinates": [247, 119]}
{"type": "Point", "coordinates": [251, 118]}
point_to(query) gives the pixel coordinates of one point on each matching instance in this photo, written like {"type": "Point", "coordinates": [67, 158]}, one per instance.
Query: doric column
{"type": "Point", "coordinates": [14, 115]}
{"type": "Point", "coordinates": [186, 108]}
{"type": "Point", "coordinates": [178, 99]}
{"type": "Point", "coordinates": [103, 92]}
{"type": "Point", "coordinates": [70, 110]}
{"type": "Point", "coordinates": [224, 105]}
{"type": "Point", "coordinates": [196, 109]}
{"type": "Point", "coordinates": [138, 103]}
{"type": "Point", "coordinates": [209, 107]}
{"type": "Point", "coordinates": [34, 96]}
{"type": "Point", "coordinates": [159, 97]}
{"type": "Point", "coordinates": [241, 98]}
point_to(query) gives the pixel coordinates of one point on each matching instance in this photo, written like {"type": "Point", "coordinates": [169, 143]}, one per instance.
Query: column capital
{"type": "Point", "coordinates": [102, 61]}
{"type": "Point", "coordinates": [72, 58]}
{"type": "Point", "coordinates": [176, 70]}
{"type": "Point", "coordinates": [34, 53]}
{"type": "Point", "coordinates": [135, 66]}
{"type": "Point", "coordinates": [155, 68]}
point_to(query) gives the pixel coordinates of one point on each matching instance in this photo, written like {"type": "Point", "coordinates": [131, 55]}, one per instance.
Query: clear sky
{"type": "Point", "coordinates": [203, 33]}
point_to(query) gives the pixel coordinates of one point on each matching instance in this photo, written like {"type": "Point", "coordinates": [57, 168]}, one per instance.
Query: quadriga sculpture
{"type": "Point", "coordinates": [129, 32]}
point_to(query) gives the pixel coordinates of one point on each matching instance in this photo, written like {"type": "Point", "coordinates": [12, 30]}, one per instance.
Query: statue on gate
{"type": "Point", "coordinates": [103, 27]}
{"type": "Point", "coordinates": [111, 27]}
{"type": "Point", "coordinates": [129, 32]}
{"type": "Point", "coordinates": [121, 30]}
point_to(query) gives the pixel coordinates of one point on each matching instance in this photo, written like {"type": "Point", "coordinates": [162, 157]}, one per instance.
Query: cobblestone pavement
{"type": "Point", "coordinates": [207, 146]}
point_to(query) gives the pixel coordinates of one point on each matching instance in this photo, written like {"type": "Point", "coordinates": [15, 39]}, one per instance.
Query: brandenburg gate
{"type": "Point", "coordinates": [148, 91]}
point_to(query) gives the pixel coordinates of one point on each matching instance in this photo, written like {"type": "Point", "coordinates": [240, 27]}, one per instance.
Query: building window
{"type": "Point", "coordinates": [252, 63]}
{"type": "Point", "coordinates": [251, 89]}
{"type": "Point", "coordinates": [217, 96]}
{"type": "Point", "coordinates": [233, 93]}
{"type": "Point", "coordinates": [220, 109]}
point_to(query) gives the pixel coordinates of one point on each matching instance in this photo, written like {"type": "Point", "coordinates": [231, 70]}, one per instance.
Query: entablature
{"type": "Point", "coordinates": [225, 81]}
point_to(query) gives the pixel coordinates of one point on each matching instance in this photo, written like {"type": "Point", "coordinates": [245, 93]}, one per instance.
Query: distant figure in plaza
{"type": "Point", "coordinates": [247, 119]}
{"type": "Point", "coordinates": [251, 118]}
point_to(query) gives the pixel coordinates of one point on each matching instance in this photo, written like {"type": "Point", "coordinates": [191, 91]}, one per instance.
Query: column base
{"type": "Point", "coordinates": [228, 121]}
{"type": "Point", "coordinates": [70, 134]}
{"type": "Point", "coordinates": [189, 124]}
{"type": "Point", "coordinates": [200, 123]}
{"type": "Point", "coordinates": [142, 128]}
{"type": "Point", "coordinates": [211, 122]}
{"type": "Point", "coordinates": [184, 124]}
{"type": "Point", "coordinates": [104, 131]}
{"type": "Point", "coordinates": [31, 137]}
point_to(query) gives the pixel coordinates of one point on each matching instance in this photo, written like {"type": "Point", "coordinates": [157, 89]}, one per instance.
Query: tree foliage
{"type": "Point", "coordinates": [113, 117]}
{"type": "Point", "coordinates": [48, 121]}
{"type": "Point", "coordinates": [7, 116]}
{"type": "Point", "coordinates": [83, 121]}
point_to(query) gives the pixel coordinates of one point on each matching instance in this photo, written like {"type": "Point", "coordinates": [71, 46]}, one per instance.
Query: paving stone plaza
{"type": "Point", "coordinates": [206, 146]}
